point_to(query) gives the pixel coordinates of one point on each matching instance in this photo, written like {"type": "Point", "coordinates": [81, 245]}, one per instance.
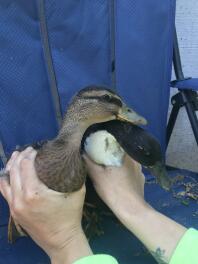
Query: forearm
{"type": "Point", "coordinates": [156, 231]}
{"type": "Point", "coordinates": [122, 189]}
{"type": "Point", "coordinates": [75, 249]}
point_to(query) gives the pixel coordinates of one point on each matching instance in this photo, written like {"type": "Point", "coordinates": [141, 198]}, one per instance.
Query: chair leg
{"type": "Point", "coordinates": [189, 99]}
{"type": "Point", "coordinates": [171, 122]}
{"type": "Point", "coordinates": [193, 119]}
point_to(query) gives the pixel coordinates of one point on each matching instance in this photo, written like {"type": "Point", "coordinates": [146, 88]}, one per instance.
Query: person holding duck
{"type": "Point", "coordinates": [92, 111]}
{"type": "Point", "coordinates": [47, 201]}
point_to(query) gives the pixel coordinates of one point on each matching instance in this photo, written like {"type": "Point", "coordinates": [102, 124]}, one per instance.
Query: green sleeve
{"type": "Point", "coordinates": [186, 251]}
{"type": "Point", "coordinates": [97, 259]}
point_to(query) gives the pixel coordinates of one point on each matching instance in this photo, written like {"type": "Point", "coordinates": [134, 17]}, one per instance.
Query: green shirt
{"type": "Point", "coordinates": [186, 252]}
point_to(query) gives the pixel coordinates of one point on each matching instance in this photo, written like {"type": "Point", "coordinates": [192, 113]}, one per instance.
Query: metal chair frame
{"type": "Point", "coordinates": [184, 97]}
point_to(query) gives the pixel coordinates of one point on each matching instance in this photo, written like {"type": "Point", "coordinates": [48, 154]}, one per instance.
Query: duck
{"type": "Point", "coordinates": [56, 157]}
{"type": "Point", "coordinates": [107, 144]}
{"type": "Point", "coordinates": [59, 163]}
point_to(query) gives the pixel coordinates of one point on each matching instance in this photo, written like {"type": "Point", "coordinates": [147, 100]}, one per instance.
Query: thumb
{"type": "Point", "coordinates": [91, 164]}
{"type": "Point", "coordinates": [94, 169]}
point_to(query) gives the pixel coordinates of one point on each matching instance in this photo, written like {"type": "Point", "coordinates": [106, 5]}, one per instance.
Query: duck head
{"type": "Point", "coordinates": [96, 104]}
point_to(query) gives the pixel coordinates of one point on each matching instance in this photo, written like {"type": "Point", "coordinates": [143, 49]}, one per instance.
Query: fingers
{"type": "Point", "coordinates": [5, 189]}
{"type": "Point", "coordinates": [129, 162]}
{"type": "Point", "coordinates": [15, 177]}
{"type": "Point", "coordinates": [28, 175]}
{"type": "Point", "coordinates": [92, 165]}
{"type": "Point", "coordinates": [17, 167]}
{"type": "Point", "coordinates": [11, 160]}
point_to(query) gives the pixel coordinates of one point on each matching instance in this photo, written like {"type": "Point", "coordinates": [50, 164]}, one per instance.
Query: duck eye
{"type": "Point", "coordinates": [106, 97]}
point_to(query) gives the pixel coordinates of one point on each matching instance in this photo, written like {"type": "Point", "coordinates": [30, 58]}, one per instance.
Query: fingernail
{"type": "Point", "coordinates": [32, 155]}
{"type": "Point", "coordinates": [29, 148]}
{"type": "Point", "coordinates": [14, 153]}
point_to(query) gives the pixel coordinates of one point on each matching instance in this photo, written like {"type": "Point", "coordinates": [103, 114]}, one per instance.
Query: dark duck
{"type": "Point", "coordinates": [106, 144]}
{"type": "Point", "coordinates": [59, 163]}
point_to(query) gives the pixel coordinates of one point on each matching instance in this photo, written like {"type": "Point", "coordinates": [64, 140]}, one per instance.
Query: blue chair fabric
{"type": "Point", "coordinates": [188, 84]}
{"type": "Point", "coordinates": [144, 36]}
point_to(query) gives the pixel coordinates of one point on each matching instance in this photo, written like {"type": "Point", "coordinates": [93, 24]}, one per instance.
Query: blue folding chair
{"type": "Point", "coordinates": [49, 50]}
{"type": "Point", "coordinates": [187, 95]}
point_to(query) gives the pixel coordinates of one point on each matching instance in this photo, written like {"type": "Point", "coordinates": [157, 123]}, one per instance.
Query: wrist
{"type": "Point", "coordinates": [131, 210]}
{"type": "Point", "coordinates": [75, 247]}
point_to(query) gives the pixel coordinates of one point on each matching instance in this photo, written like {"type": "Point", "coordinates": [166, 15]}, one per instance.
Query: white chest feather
{"type": "Point", "coordinates": [104, 149]}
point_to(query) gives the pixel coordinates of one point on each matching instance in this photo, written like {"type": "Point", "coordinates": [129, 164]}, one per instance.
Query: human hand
{"type": "Point", "coordinates": [52, 219]}
{"type": "Point", "coordinates": [120, 188]}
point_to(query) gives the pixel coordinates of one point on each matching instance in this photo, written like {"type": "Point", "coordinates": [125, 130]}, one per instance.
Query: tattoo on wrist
{"type": "Point", "coordinates": [159, 255]}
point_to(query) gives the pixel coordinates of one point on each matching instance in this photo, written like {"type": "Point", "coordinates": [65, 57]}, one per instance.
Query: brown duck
{"type": "Point", "coordinates": [59, 163]}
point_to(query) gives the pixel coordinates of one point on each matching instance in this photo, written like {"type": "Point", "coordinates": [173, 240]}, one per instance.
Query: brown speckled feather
{"type": "Point", "coordinates": [60, 166]}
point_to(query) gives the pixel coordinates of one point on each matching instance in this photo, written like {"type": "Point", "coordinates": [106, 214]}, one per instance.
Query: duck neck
{"type": "Point", "coordinates": [72, 133]}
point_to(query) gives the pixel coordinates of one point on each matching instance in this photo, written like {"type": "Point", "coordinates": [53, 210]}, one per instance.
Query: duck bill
{"type": "Point", "coordinates": [127, 114]}
{"type": "Point", "coordinates": [159, 171]}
